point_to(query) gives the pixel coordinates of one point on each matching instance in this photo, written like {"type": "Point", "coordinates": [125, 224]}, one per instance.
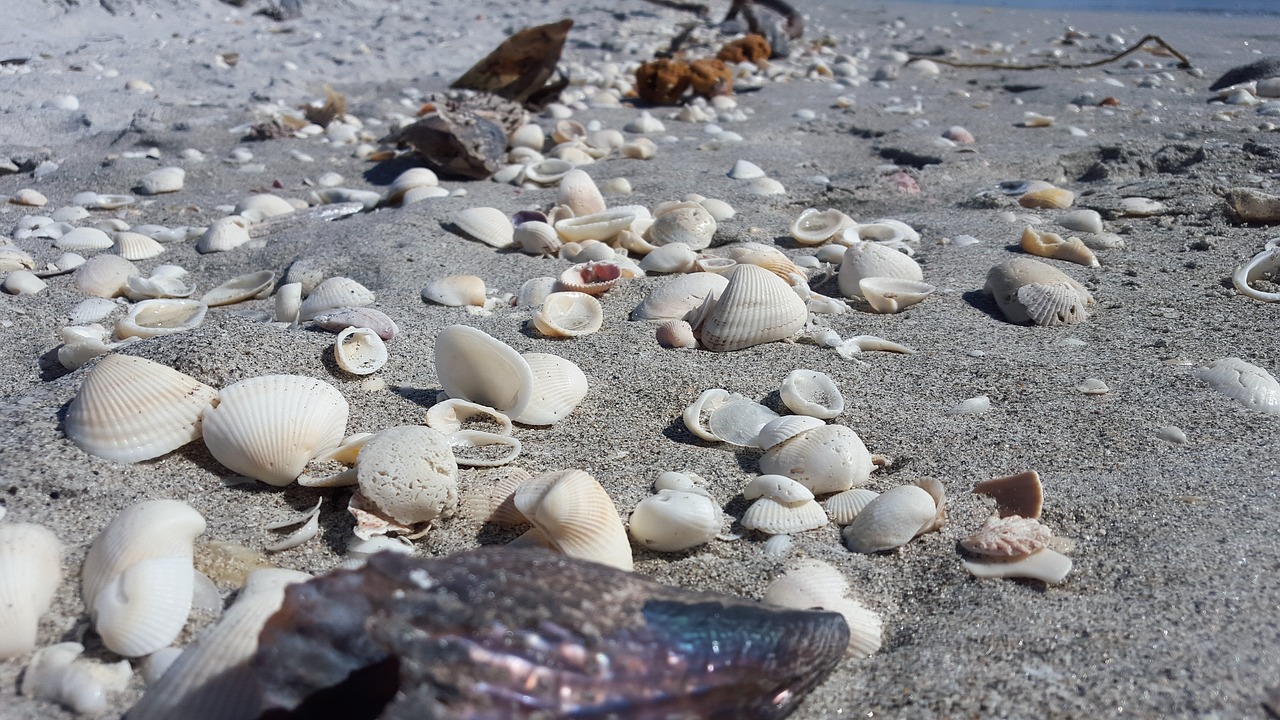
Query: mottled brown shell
{"type": "Point", "coordinates": [1008, 537]}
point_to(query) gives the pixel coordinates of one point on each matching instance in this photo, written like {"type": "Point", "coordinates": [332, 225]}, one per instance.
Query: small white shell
{"type": "Point", "coordinates": [534, 290]}
{"type": "Point", "coordinates": [556, 387]}
{"type": "Point", "coordinates": [843, 507]}
{"type": "Point", "coordinates": [1087, 221]}
{"type": "Point", "coordinates": [23, 282]}
{"type": "Point", "coordinates": [529, 136]}
{"type": "Point", "coordinates": [1250, 385]}
{"type": "Point", "coordinates": [678, 296]}
{"type": "Point", "coordinates": [579, 192]}
{"type": "Point", "coordinates": [569, 314]}
{"type": "Point", "coordinates": [775, 517]}
{"type": "Point", "coordinates": [415, 177]}
{"type": "Point", "coordinates": [745, 170]}
{"type": "Point", "coordinates": [461, 440]}
{"type": "Point", "coordinates": [755, 307]}
{"type": "Point", "coordinates": [359, 351]}
{"type": "Point", "coordinates": [455, 291]}
{"type": "Point", "coordinates": [163, 180]}
{"type": "Point", "coordinates": [537, 238]}
{"type": "Point", "coordinates": [778, 487]}
{"type": "Point", "coordinates": [815, 227]}
{"type": "Point", "coordinates": [448, 416]}
{"type": "Point", "coordinates": [577, 516]}
{"type": "Point", "coordinates": [549, 170]}
{"type": "Point", "coordinates": [813, 583]}
{"type": "Point", "coordinates": [675, 334]}
{"type": "Point", "coordinates": [869, 259]}
{"type": "Point", "coordinates": [766, 186]}
{"type": "Point", "coordinates": [58, 674]}
{"type": "Point", "coordinates": [263, 205]}
{"type": "Point", "coordinates": [241, 288]}
{"type": "Point", "coordinates": [675, 257]}
{"type": "Point", "coordinates": [702, 407]}
{"type": "Point", "coordinates": [225, 234]}
{"type": "Point", "coordinates": [83, 239]}
{"type": "Point", "coordinates": [1047, 565]}
{"type": "Point", "coordinates": [135, 246]}
{"type": "Point", "coordinates": [472, 365]}
{"type": "Point", "coordinates": [489, 225]}
{"type": "Point", "coordinates": [738, 421]}
{"type": "Point", "coordinates": [1028, 290]}
{"type": "Point", "coordinates": [809, 392]}
{"type": "Point", "coordinates": [675, 520]}
{"type": "Point", "coordinates": [890, 295]}
{"type": "Point", "coordinates": [600, 226]}
{"type": "Point", "coordinates": [409, 474]}
{"type": "Point", "coordinates": [1267, 261]}
{"type": "Point", "coordinates": [972, 406]}
{"type": "Point", "coordinates": [165, 281]}
{"type": "Point", "coordinates": [333, 294]}
{"type": "Point", "coordinates": [826, 459]}
{"type": "Point", "coordinates": [30, 570]}
{"type": "Point", "coordinates": [891, 520]}
{"type": "Point", "coordinates": [164, 316]}
{"type": "Point", "coordinates": [12, 258]}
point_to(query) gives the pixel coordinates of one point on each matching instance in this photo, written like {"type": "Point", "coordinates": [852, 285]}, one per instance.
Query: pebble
{"type": "Point", "coordinates": [240, 155]}
{"type": "Point", "coordinates": [142, 87]}
{"type": "Point", "coordinates": [1172, 435]}
{"type": "Point", "coordinates": [1093, 386]}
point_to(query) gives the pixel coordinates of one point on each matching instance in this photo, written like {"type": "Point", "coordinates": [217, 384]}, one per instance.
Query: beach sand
{"type": "Point", "coordinates": [1171, 607]}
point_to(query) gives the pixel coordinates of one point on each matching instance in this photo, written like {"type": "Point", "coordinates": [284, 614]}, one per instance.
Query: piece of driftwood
{"type": "Point", "coordinates": [1183, 60]}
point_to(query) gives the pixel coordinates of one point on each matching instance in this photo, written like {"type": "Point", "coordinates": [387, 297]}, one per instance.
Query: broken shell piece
{"type": "Point", "coordinates": [1266, 262]}
{"type": "Point", "coordinates": [240, 288]}
{"type": "Point", "coordinates": [1029, 291]}
{"type": "Point", "coordinates": [569, 314]}
{"type": "Point", "coordinates": [678, 296]}
{"type": "Point", "coordinates": [1248, 384]}
{"type": "Point", "coordinates": [1008, 537]}
{"type": "Point", "coordinates": [675, 520]}
{"type": "Point", "coordinates": [815, 227]}
{"type": "Point", "coordinates": [888, 295]}
{"type": "Point", "coordinates": [1020, 494]}
{"type": "Point", "coordinates": [310, 527]}
{"type": "Point", "coordinates": [164, 316]}
{"type": "Point", "coordinates": [892, 520]}
{"type": "Point", "coordinates": [451, 415]}
{"type": "Point", "coordinates": [455, 291]}
{"type": "Point", "coordinates": [866, 343]}
{"type": "Point", "coordinates": [30, 570]}
{"type": "Point", "coordinates": [809, 392]}
{"type": "Point", "coordinates": [601, 226]}
{"type": "Point", "coordinates": [58, 674]}
{"type": "Point", "coordinates": [462, 440]}
{"type": "Point", "coordinates": [576, 516]}
{"type": "Point", "coordinates": [360, 351]}
{"type": "Point", "coordinates": [972, 406]}
{"type": "Point", "coordinates": [409, 474]}
{"type": "Point", "coordinates": [1054, 198]}
{"type": "Point", "coordinates": [1052, 245]}
{"type": "Point", "coordinates": [1047, 565]}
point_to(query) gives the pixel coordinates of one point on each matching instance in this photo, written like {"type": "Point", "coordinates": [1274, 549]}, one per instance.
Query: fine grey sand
{"type": "Point", "coordinates": [1171, 608]}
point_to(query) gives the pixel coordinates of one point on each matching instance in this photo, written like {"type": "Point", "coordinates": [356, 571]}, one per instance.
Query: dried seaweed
{"type": "Point", "coordinates": [335, 106]}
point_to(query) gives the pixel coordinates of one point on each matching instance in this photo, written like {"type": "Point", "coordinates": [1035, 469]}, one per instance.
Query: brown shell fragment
{"type": "Point", "coordinates": [1008, 537]}
{"type": "Point", "coordinates": [663, 81]}
{"type": "Point", "coordinates": [752, 48]}
{"type": "Point", "coordinates": [710, 78]}
{"type": "Point", "coordinates": [1020, 494]}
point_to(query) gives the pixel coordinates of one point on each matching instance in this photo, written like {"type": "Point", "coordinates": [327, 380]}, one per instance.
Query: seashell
{"type": "Point", "coordinates": [782, 429]}
{"type": "Point", "coordinates": [91, 310]}
{"type": "Point", "coordinates": [365, 317]}
{"type": "Point", "coordinates": [755, 307]}
{"type": "Point", "coordinates": [958, 135]}
{"type": "Point", "coordinates": [646, 124]}
{"type": "Point", "coordinates": [825, 459]}
{"type": "Point", "coordinates": [269, 427]}
{"type": "Point", "coordinates": [675, 334]}
{"type": "Point", "coordinates": [225, 234]}
{"type": "Point", "coordinates": [1093, 386]}
{"type": "Point", "coordinates": [866, 259]}
{"type": "Point", "coordinates": [455, 291]}
{"type": "Point", "coordinates": [59, 675]}
{"type": "Point", "coordinates": [132, 409]}
{"type": "Point", "coordinates": [241, 288]}
{"type": "Point", "coordinates": [557, 387]}
{"type": "Point", "coordinates": [534, 290]}
{"type": "Point", "coordinates": [547, 172]}
{"type": "Point", "coordinates": [568, 131]}
{"type": "Point", "coordinates": [745, 170]}
{"type": "Point", "coordinates": [263, 205]}
{"type": "Point", "coordinates": [766, 256]}
{"type": "Point", "coordinates": [288, 303]}
{"type": "Point", "coordinates": [775, 517]}
{"type": "Point", "coordinates": [22, 282]}
{"type": "Point", "coordinates": [415, 177]}
{"type": "Point", "coordinates": [409, 474]}
{"type": "Point", "coordinates": [165, 316]}
{"type": "Point", "coordinates": [599, 226]}
{"type": "Point", "coordinates": [1008, 537]}
{"type": "Point", "coordinates": [766, 186]}
{"type": "Point", "coordinates": [675, 520]}
{"type": "Point", "coordinates": [423, 192]}
{"type": "Point", "coordinates": [1086, 221]}
{"type": "Point", "coordinates": [690, 224]}
{"type": "Point", "coordinates": [1054, 198]}
{"type": "Point", "coordinates": [814, 227]}
{"type": "Point", "coordinates": [460, 440]}
{"type": "Point", "coordinates": [529, 136]}
{"type": "Point", "coordinates": [639, 149]}
{"type": "Point", "coordinates": [702, 407]}
{"type": "Point", "coordinates": [488, 225]}
{"type": "Point", "coordinates": [587, 251]}
{"type": "Point", "coordinates": [1052, 245]}
{"type": "Point", "coordinates": [777, 546]}
{"type": "Point", "coordinates": [1027, 290]}
{"type": "Point", "coordinates": [214, 676]}
{"type": "Point", "coordinates": [360, 550]}
{"type": "Point", "coordinates": [719, 209]}
{"type": "Point", "coordinates": [163, 180]}
{"type": "Point", "coordinates": [66, 262]}
{"type": "Point", "coordinates": [12, 258]}
{"type": "Point", "coordinates": [579, 192]}
{"type": "Point", "coordinates": [359, 351]}
{"type": "Point", "coordinates": [474, 366]}
{"type": "Point", "coordinates": [29, 197]}
{"type": "Point", "coordinates": [617, 186]}
{"type": "Point", "coordinates": [30, 571]}
{"type": "Point", "coordinates": [1047, 565]}
{"type": "Point", "coordinates": [80, 344]}
{"type": "Point", "coordinates": [738, 421]}
{"type": "Point", "coordinates": [1020, 494]}
{"type": "Point", "coordinates": [135, 246]}
{"type": "Point", "coordinates": [1264, 263]}
{"type": "Point", "coordinates": [674, 257]}
{"type": "Point", "coordinates": [809, 392]}
{"type": "Point", "coordinates": [891, 295]}
{"type": "Point", "coordinates": [537, 238]}
{"type": "Point", "coordinates": [892, 520]}
{"type": "Point", "coordinates": [972, 406]}
{"type": "Point", "coordinates": [815, 584]}
{"type": "Point", "coordinates": [777, 487]}
{"type": "Point", "coordinates": [448, 416]}
{"type": "Point", "coordinates": [1248, 384]}
{"type": "Point", "coordinates": [1141, 207]}
{"type": "Point", "coordinates": [843, 507]}
{"type": "Point", "coordinates": [166, 281]}
{"type": "Point", "coordinates": [333, 294]}
{"type": "Point", "coordinates": [138, 576]}
{"type": "Point", "coordinates": [569, 314]}
{"type": "Point", "coordinates": [83, 239]}
{"type": "Point", "coordinates": [679, 296]}
{"type": "Point", "coordinates": [592, 278]}
{"type": "Point", "coordinates": [577, 516]}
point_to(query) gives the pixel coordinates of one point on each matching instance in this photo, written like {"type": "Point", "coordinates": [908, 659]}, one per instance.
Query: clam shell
{"type": "Point", "coordinates": [537, 238]}
{"type": "Point", "coordinates": [675, 334]}
{"type": "Point", "coordinates": [333, 294]}
{"type": "Point", "coordinates": [891, 520]}
{"type": "Point", "coordinates": [224, 234]}
{"type": "Point", "coordinates": [489, 225]}
{"type": "Point", "coordinates": [587, 251]}
{"type": "Point", "coordinates": [815, 227]}
{"type": "Point", "coordinates": [240, 288]}
{"type": "Point", "coordinates": [22, 282]}
{"type": "Point", "coordinates": [569, 314]}
{"type": "Point", "coordinates": [1052, 245]}
{"type": "Point", "coordinates": [766, 256]}
{"type": "Point", "coordinates": [891, 295]}
{"type": "Point", "coordinates": [462, 440]}
{"type": "Point", "coordinates": [474, 366]}
{"type": "Point", "coordinates": [138, 576]}
{"type": "Point", "coordinates": [843, 507]}
{"type": "Point", "coordinates": [548, 171]}
{"type": "Point", "coordinates": [83, 239]}
{"type": "Point", "coordinates": [756, 307]}
{"type": "Point", "coordinates": [1029, 291]}
{"type": "Point", "coordinates": [30, 570]}
{"type": "Point", "coordinates": [1008, 537]}
{"type": "Point", "coordinates": [578, 191]}
{"type": "Point", "coordinates": [269, 427]}
{"type": "Point", "coordinates": [166, 281]}
{"type": "Point", "coordinates": [448, 416]}
{"type": "Point", "coordinates": [359, 351]}
{"type": "Point", "coordinates": [263, 205]}
{"type": "Point", "coordinates": [131, 409]}
{"type": "Point", "coordinates": [366, 317]}
{"type": "Point", "coordinates": [163, 180]}
{"type": "Point", "coordinates": [577, 516]}
{"type": "Point", "coordinates": [678, 296]}
{"type": "Point", "coordinates": [455, 291]}
{"type": "Point", "coordinates": [409, 474]}
{"type": "Point", "coordinates": [1054, 198]}
{"type": "Point", "coordinates": [416, 177]}
{"type": "Point", "coordinates": [1047, 565]}
{"type": "Point", "coordinates": [690, 224]}
{"type": "Point", "coordinates": [599, 226]}
{"type": "Point", "coordinates": [557, 386]}
{"type": "Point", "coordinates": [675, 520]}
{"type": "Point", "coordinates": [675, 257]}
{"type": "Point", "coordinates": [592, 277]}
{"type": "Point", "coordinates": [826, 459]}
{"type": "Point", "coordinates": [782, 429]}
{"type": "Point", "coordinates": [1244, 382]}
{"type": "Point", "coordinates": [529, 136]}
{"type": "Point", "coordinates": [869, 259]}
{"type": "Point", "coordinates": [778, 487]}
{"type": "Point", "coordinates": [1086, 221]}
{"type": "Point", "coordinates": [745, 170]}
{"type": "Point", "coordinates": [164, 316]}
{"type": "Point", "coordinates": [135, 246]}
{"type": "Point", "coordinates": [12, 258]}
{"type": "Point", "coordinates": [494, 502]}
{"type": "Point", "coordinates": [774, 517]}
{"type": "Point", "coordinates": [534, 290]}
{"type": "Point", "coordinates": [739, 420]}
{"type": "Point", "coordinates": [813, 393]}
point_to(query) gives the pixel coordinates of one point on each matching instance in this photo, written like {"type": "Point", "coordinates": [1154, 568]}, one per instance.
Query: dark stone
{"type": "Point", "coordinates": [1264, 68]}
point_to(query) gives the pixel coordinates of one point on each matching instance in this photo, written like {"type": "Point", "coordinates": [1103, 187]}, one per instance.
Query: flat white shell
{"type": "Point", "coordinates": [813, 393]}
{"type": "Point", "coordinates": [1250, 385]}
{"type": "Point", "coordinates": [30, 570]}
{"type": "Point", "coordinates": [472, 365]}
{"type": "Point", "coordinates": [675, 520]}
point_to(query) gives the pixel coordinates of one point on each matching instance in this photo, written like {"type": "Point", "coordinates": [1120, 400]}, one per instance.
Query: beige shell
{"type": "Point", "coordinates": [1052, 245]}
{"type": "Point", "coordinates": [677, 297]}
{"type": "Point", "coordinates": [163, 180]}
{"type": "Point", "coordinates": [843, 507]}
{"type": "Point", "coordinates": [890, 295]}
{"type": "Point", "coordinates": [449, 416]}
{"type": "Point", "coordinates": [1053, 198]}
{"type": "Point", "coordinates": [826, 459]}
{"type": "Point", "coordinates": [689, 223]}
{"type": "Point", "coordinates": [675, 334]}
{"type": "Point", "coordinates": [892, 520]}
{"type": "Point", "coordinates": [1047, 565]}
{"type": "Point", "coordinates": [639, 149]}
{"type": "Point", "coordinates": [492, 499]}
{"type": "Point", "coordinates": [675, 520]}
{"type": "Point", "coordinates": [12, 258]}
{"type": "Point", "coordinates": [557, 386]}
{"type": "Point", "coordinates": [135, 246]}
{"type": "Point", "coordinates": [409, 474]}
{"type": "Point", "coordinates": [472, 365]}
{"type": "Point", "coordinates": [366, 317]}
{"type": "Point", "coordinates": [579, 192]}
{"type": "Point", "coordinates": [815, 227]}
{"type": "Point", "coordinates": [30, 570]}
{"type": "Point", "coordinates": [415, 177]}
{"type": "Point", "coordinates": [599, 226]}
{"type": "Point", "coordinates": [1021, 494]}
{"type": "Point", "coordinates": [139, 578]}
{"type": "Point", "coordinates": [537, 238]}
{"type": "Point", "coordinates": [568, 131]}
{"type": "Point", "coordinates": [489, 225]}
{"type": "Point", "coordinates": [131, 409]}
{"type": "Point", "coordinates": [775, 517]}
{"type": "Point", "coordinates": [224, 234]}
{"type": "Point", "coordinates": [756, 307]}
{"type": "Point", "coordinates": [813, 393]}
{"type": "Point", "coordinates": [269, 427]}
{"type": "Point", "coordinates": [568, 314]}
{"type": "Point", "coordinates": [575, 513]}
{"type": "Point", "coordinates": [83, 239]}
{"type": "Point", "coordinates": [529, 136]}
{"type": "Point", "coordinates": [163, 316]}
{"type": "Point", "coordinates": [866, 259]}
{"type": "Point", "coordinates": [360, 351]}
{"type": "Point", "coordinates": [263, 205]}
{"type": "Point", "coordinates": [333, 294]}
{"type": "Point", "coordinates": [104, 276]}
{"type": "Point", "coordinates": [1008, 537]}
{"type": "Point", "coordinates": [1029, 291]}
{"type": "Point", "coordinates": [241, 288]}
{"type": "Point", "coordinates": [455, 291]}
{"type": "Point", "coordinates": [813, 583]}
{"type": "Point", "coordinates": [548, 171]}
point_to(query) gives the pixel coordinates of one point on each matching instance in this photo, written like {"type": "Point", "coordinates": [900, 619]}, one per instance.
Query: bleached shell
{"type": "Point", "coordinates": [826, 459]}
{"type": "Point", "coordinates": [29, 197]}
{"type": "Point", "coordinates": [675, 334]}
{"type": "Point", "coordinates": [569, 314]}
{"type": "Point", "coordinates": [30, 570]}
{"type": "Point", "coordinates": [782, 429]}
{"type": "Point", "coordinates": [534, 290]}
{"type": "Point", "coordinates": [138, 576]}
{"type": "Point", "coordinates": [22, 282]}
{"type": "Point", "coordinates": [12, 258]}
{"type": "Point", "coordinates": [778, 518]}
{"type": "Point", "coordinates": [568, 130]}
{"type": "Point", "coordinates": [359, 351]}
{"type": "Point", "coordinates": [599, 226]}
{"type": "Point", "coordinates": [676, 257]}
{"type": "Point", "coordinates": [702, 407]}
{"type": "Point", "coordinates": [576, 514]}
{"type": "Point", "coordinates": [891, 295]}
{"type": "Point", "coordinates": [1267, 261]}
{"type": "Point", "coordinates": [455, 291]}
{"type": "Point", "coordinates": [537, 238]}
{"type": "Point", "coordinates": [83, 239]}
{"type": "Point", "coordinates": [1008, 537]}
{"type": "Point", "coordinates": [639, 149]}
{"type": "Point", "coordinates": [778, 487]}
{"type": "Point", "coordinates": [166, 281]}
{"type": "Point", "coordinates": [891, 520]}
{"type": "Point", "coordinates": [843, 507]}
{"type": "Point", "coordinates": [163, 180]}
{"type": "Point", "coordinates": [766, 186]}
{"type": "Point", "coordinates": [745, 170]}
{"type": "Point", "coordinates": [1046, 565]}
{"type": "Point", "coordinates": [810, 583]}
{"type": "Point", "coordinates": [813, 393]}
{"type": "Point", "coordinates": [579, 192]}
{"type": "Point", "coordinates": [738, 421]}
{"type": "Point", "coordinates": [164, 316]}
{"type": "Point", "coordinates": [678, 296]}
{"type": "Point", "coordinates": [240, 288]}
{"type": "Point", "coordinates": [690, 224]}
{"type": "Point", "coordinates": [130, 409]}
{"type": "Point", "coordinates": [366, 317]}
{"type": "Point", "coordinates": [1086, 221]}
{"type": "Point", "coordinates": [557, 386]}
{"type": "Point", "coordinates": [1027, 290]}
{"type": "Point", "coordinates": [415, 177]}
{"type": "Point", "coordinates": [333, 294]}
{"type": "Point", "coordinates": [409, 474]}
{"type": "Point", "coordinates": [423, 192]}
{"type": "Point", "coordinates": [529, 136]}
{"type": "Point", "coordinates": [1052, 245]}
{"type": "Point", "coordinates": [269, 427]}
{"type": "Point", "coordinates": [719, 209]}
{"type": "Point", "coordinates": [135, 246]}
{"type": "Point", "coordinates": [587, 251]}
{"type": "Point", "coordinates": [57, 674]}
{"type": "Point", "coordinates": [766, 256]}
{"type": "Point", "coordinates": [1248, 384]}
{"type": "Point", "coordinates": [814, 227]}
{"type": "Point", "coordinates": [472, 365]}
{"type": "Point", "coordinates": [1054, 198]}
{"type": "Point", "coordinates": [448, 416]}
{"type": "Point", "coordinates": [263, 205]}
{"type": "Point", "coordinates": [869, 259]}
{"type": "Point", "coordinates": [91, 310]}
{"type": "Point", "coordinates": [548, 171]}
{"type": "Point", "coordinates": [462, 440]}
{"type": "Point", "coordinates": [489, 225]}
{"type": "Point", "coordinates": [224, 234]}
{"type": "Point", "coordinates": [756, 307]}
{"type": "Point", "coordinates": [675, 520]}
{"type": "Point", "coordinates": [607, 139]}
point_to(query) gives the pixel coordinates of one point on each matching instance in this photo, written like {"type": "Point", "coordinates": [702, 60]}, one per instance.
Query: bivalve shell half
{"type": "Point", "coordinates": [333, 294]}
{"type": "Point", "coordinates": [815, 584]}
{"type": "Point", "coordinates": [1053, 198]}
{"type": "Point", "coordinates": [163, 316]}
{"type": "Point", "coordinates": [84, 239]}
{"type": "Point", "coordinates": [131, 409]}
{"type": "Point", "coordinates": [775, 517]}
{"type": "Point", "coordinates": [489, 225]}
{"type": "Point", "coordinates": [537, 238]}
{"type": "Point", "coordinates": [813, 393]}
{"type": "Point", "coordinates": [888, 295]}
{"type": "Point", "coordinates": [577, 516]}
{"type": "Point", "coordinates": [868, 259]}
{"type": "Point", "coordinates": [269, 427]}
{"type": "Point", "coordinates": [815, 227]}
{"type": "Point", "coordinates": [777, 487]}
{"type": "Point", "coordinates": [365, 317]}
{"type": "Point", "coordinates": [409, 474]}
{"type": "Point", "coordinates": [23, 282]}
{"type": "Point", "coordinates": [136, 246]}
{"type": "Point", "coordinates": [782, 429]}
{"type": "Point", "coordinates": [557, 386]}
{"type": "Point", "coordinates": [415, 177]}
{"type": "Point", "coordinates": [455, 291]}
{"type": "Point", "coordinates": [679, 296]}
{"type": "Point", "coordinates": [593, 277]}
{"type": "Point", "coordinates": [891, 520]}
{"type": "Point", "coordinates": [843, 507]}
{"type": "Point", "coordinates": [690, 223]}
{"type": "Point", "coordinates": [578, 191]}
{"type": "Point", "coordinates": [1244, 382]}
{"type": "Point", "coordinates": [675, 257]}
{"type": "Point", "coordinates": [449, 416]}
{"type": "Point", "coordinates": [675, 334]}
{"type": "Point", "coordinates": [548, 171]}
{"type": "Point", "coordinates": [241, 288]}
{"type": "Point", "coordinates": [472, 365]}
{"type": "Point", "coordinates": [569, 314]}
{"type": "Point", "coordinates": [360, 351]}
{"type": "Point", "coordinates": [226, 233]}
{"type": "Point", "coordinates": [826, 459]}
{"type": "Point", "coordinates": [263, 205]}
{"type": "Point", "coordinates": [1029, 291]}
{"type": "Point", "coordinates": [675, 520]}
{"type": "Point", "coordinates": [30, 570]}
{"type": "Point", "coordinates": [738, 421]}
{"type": "Point", "coordinates": [756, 307]}
{"type": "Point", "coordinates": [163, 180]}
{"type": "Point", "coordinates": [600, 226]}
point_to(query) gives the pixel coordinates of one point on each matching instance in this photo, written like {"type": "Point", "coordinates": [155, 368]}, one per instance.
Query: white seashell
{"type": "Point", "coordinates": [777, 546]}
{"type": "Point", "coordinates": [225, 234]}
{"type": "Point", "coordinates": [489, 225]}
{"type": "Point", "coordinates": [766, 186]}
{"type": "Point", "coordinates": [83, 239]}
{"type": "Point", "coordinates": [1047, 565]}
{"type": "Point", "coordinates": [94, 201]}
{"type": "Point", "coordinates": [132, 409]}
{"type": "Point", "coordinates": [587, 251]}
{"type": "Point", "coordinates": [263, 205]}
{"type": "Point", "coordinates": [365, 317]}
{"type": "Point", "coordinates": [569, 314]}
{"type": "Point", "coordinates": [30, 570]}
{"type": "Point", "coordinates": [165, 316]}
{"type": "Point", "coordinates": [809, 392]}
{"type": "Point", "coordinates": [22, 282]}
{"type": "Point", "coordinates": [885, 231]}
{"type": "Point", "coordinates": [676, 257]}
{"type": "Point", "coordinates": [529, 136]}
{"type": "Point", "coordinates": [891, 520]}
{"type": "Point", "coordinates": [675, 334]}
{"type": "Point", "coordinates": [1250, 385]}
{"type": "Point", "coordinates": [138, 576]}
{"type": "Point", "coordinates": [679, 296]}
{"type": "Point", "coordinates": [415, 177]}
{"type": "Point", "coordinates": [646, 124]}
{"type": "Point", "coordinates": [675, 520]}
{"type": "Point", "coordinates": [359, 351]}
{"type": "Point", "coordinates": [1265, 262]}
{"type": "Point", "coordinates": [307, 524]}
{"type": "Point", "coordinates": [1027, 290]}
{"type": "Point", "coordinates": [455, 291]}
{"type": "Point", "coordinates": [775, 517]}
{"type": "Point", "coordinates": [755, 307]}
{"type": "Point", "coordinates": [600, 226]}
{"type": "Point", "coordinates": [782, 429]}
{"type": "Point", "coordinates": [617, 186]}
{"type": "Point", "coordinates": [58, 674]}
{"type": "Point", "coordinates": [972, 406]}
{"type": "Point", "coordinates": [557, 386]}
{"type": "Point", "coordinates": [707, 402]}
{"type": "Point", "coordinates": [843, 507]}
{"type": "Point", "coordinates": [12, 258]}
{"type": "Point", "coordinates": [815, 584]}
{"type": "Point", "coordinates": [448, 416]}
{"type": "Point", "coordinates": [360, 550]}
{"type": "Point", "coordinates": [891, 295]}
{"type": "Point", "coordinates": [166, 281]}
{"type": "Point", "coordinates": [777, 487]}
{"type": "Point", "coordinates": [745, 170]}
{"type": "Point", "coordinates": [815, 227]}
{"type": "Point", "coordinates": [826, 459]}
{"type": "Point", "coordinates": [333, 294]}
{"type": "Point", "coordinates": [474, 366]}
{"type": "Point", "coordinates": [579, 192]}
{"type": "Point", "coordinates": [537, 238]}
{"type": "Point", "coordinates": [29, 197]}
{"type": "Point", "coordinates": [1052, 245]}
{"type": "Point", "coordinates": [577, 516]}
{"type": "Point", "coordinates": [766, 256]}
{"type": "Point", "coordinates": [135, 246]}
{"type": "Point", "coordinates": [423, 192]}
{"type": "Point", "coordinates": [409, 474]}
{"type": "Point", "coordinates": [863, 343]}
{"type": "Point", "coordinates": [269, 427]}
{"type": "Point", "coordinates": [534, 290]}
{"type": "Point", "coordinates": [690, 224]}
{"type": "Point", "coordinates": [241, 288]}
{"type": "Point", "coordinates": [91, 310]}
{"type": "Point", "coordinates": [738, 421]}
{"type": "Point", "coordinates": [1086, 221]}
{"type": "Point", "coordinates": [719, 209]}
{"type": "Point", "coordinates": [639, 149]}
{"type": "Point", "coordinates": [80, 344]}
{"type": "Point", "coordinates": [163, 180]}
{"type": "Point", "coordinates": [548, 171]}
{"type": "Point", "coordinates": [461, 440]}
{"type": "Point", "coordinates": [868, 259]}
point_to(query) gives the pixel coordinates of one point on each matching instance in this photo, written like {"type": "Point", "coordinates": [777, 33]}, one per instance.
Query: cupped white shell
{"type": "Point", "coordinates": [269, 427]}
{"type": "Point", "coordinates": [263, 205]}
{"type": "Point", "coordinates": [579, 192]}
{"type": "Point", "coordinates": [678, 296]}
{"type": "Point", "coordinates": [777, 487]}
{"type": "Point", "coordinates": [892, 520]}
{"type": "Point", "coordinates": [843, 507]}
{"type": "Point", "coordinates": [815, 584]}
{"type": "Point", "coordinates": [333, 294]}
{"type": "Point", "coordinates": [577, 516]}
{"type": "Point", "coordinates": [30, 570]}
{"type": "Point", "coordinates": [472, 365]}
{"type": "Point", "coordinates": [689, 223]}
{"type": "Point", "coordinates": [1029, 291]}
{"type": "Point", "coordinates": [22, 282]}
{"type": "Point", "coordinates": [415, 177]}
{"type": "Point", "coordinates": [409, 474]}
{"type": "Point", "coordinates": [675, 257]}
{"type": "Point", "coordinates": [1267, 261]}
{"type": "Point", "coordinates": [782, 429]}
{"type": "Point", "coordinates": [814, 227]}
{"type": "Point", "coordinates": [890, 295]}
{"type": "Point", "coordinates": [599, 226]}
{"type": "Point", "coordinates": [455, 291]}
{"type": "Point", "coordinates": [537, 238]}
{"type": "Point", "coordinates": [755, 307]}
{"type": "Point", "coordinates": [569, 314]}
{"type": "Point", "coordinates": [163, 180]}
{"type": "Point", "coordinates": [738, 421]}
{"type": "Point", "coordinates": [162, 316]}
{"type": "Point", "coordinates": [240, 288]}
{"type": "Point", "coordinates": [675, 520]}
{"type": "Point", "coordinates": [359, 351]}
{"type": "Point", "coordinates": [675, 334]}
{"type": "Point", "coordinates": [1244, 382]}
{"type": "Point", "coordinates": [489, 225]}
{"type": "Point", "coordinates": [826, 459]}
{"type": "Point", "coordinates": [557, 386]}
{"type": "Point", "coordinates": [813, 393]}
{"type": "Point", "coordinates": [224, 234]}
{"type": "Point", "coordinates": [869, 259]}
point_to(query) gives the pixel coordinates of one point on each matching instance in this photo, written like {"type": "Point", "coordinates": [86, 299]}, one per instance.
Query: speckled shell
{"type": "Point", "coordinates": [756, 307]}
{"type": "Point", "coordinates": [557, 386]}
{"type": "Point", "coordinates": [409, 474]}
{"type": "Point", "coordinates": [577, 516]}
{"type": "Point", "coordinates": [30, 570]}
{"type": "Point", "coordinates": [675, 520]}
{"type": "Point", "coordinates": [826, 459]}
{"type": "Point", "coordinates": [813, 393]}
{"type": "Point", "coordinates": [868, 259]}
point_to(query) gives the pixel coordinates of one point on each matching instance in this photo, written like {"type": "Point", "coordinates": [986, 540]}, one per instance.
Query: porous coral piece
{"type": "Point", "coordinates": [752, 48]}
{"type": "Point", "coordinates": [663, 81]}
{"type": "Point", "coordinates": [710, 78]}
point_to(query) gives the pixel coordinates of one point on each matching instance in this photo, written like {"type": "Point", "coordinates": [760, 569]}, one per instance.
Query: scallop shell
{"type": "Point", "coordinates": [891, 520]}
{"type": "Point", "coordinates": [869, 259]}
{"type": "Point", "coordinates": [569, 314]}
{"type": "Point", "coordinates": [409, 474]}
{"type": "Point", "coordinates": [815, 227]}
{"type": "Point", "coordinates": [577, 516]}
{"type": "Point", "coordinates": [455, 291]}
{"type": "Point", "coordinates": [138, 576]}
{"type": "Point", "coordinates": [675, 257]}
{"type": "Point", "coordinates": [415, 177]}
{"type": "Point", "coordinates": [1052, 245]}
{"type": "Point", "coordinates": [462, 440]}
{"type": "Point", "coordinates": [135, 246]}
{"type": "Point", "coordinates": [241, 288]}
{"type": "Point", "coordinates": [578, 191]}
{"type": "Point", "coordinates": [30, 570]}
{"type": "Point", "coordinates": [690, 223]}
{"type": "Point", "coordinates": [782, 429]}
{"type": "Point", "coordinates": [890, 295]}
{"type": "Point", "coordinates": [775, 517]}
{"type": "Point", "coordinates": [826, 459]}
{"type": "Point", "coordinates": [131, 409]}
{"type": "Point", "coordinates": [675, 520]}
{"type": "Point", "coordinates": [163, 180]}
{"type": "Point", "coordinates": [333, 294]}
{"type": "Point", "coordinates": [224, 234]}
{"type": "Point", "coordinates": [537, 238]}
{"type": "Point", "coordinates": [678, 296]}
{"type": "Point", "coordinates": [474, 366]}
{"type": "Point", "coordinates": [164, 316]}
{"type": "Point", "coordinates": [488, 225]}
{"type": "Point", "coordinates": [1020, 494]}
{"type": "Point", "coordinates": [1265, 262]}
{"type": "Point", "coordinates": [359, 351]}
{"type": "Point", "coordinates": [365, 317]}
{"type": "Point", "coordinates": [599, 226]}
{"type": "Point", "coordinates": [809, 392]}
{"type": "Point", "coordinates": [1250, 385]}
{"type": "Point", "coordinates": [756, 307]}
{"type": "Point", "coordinates": [1008, 537]}
{"type": "Point", "coordinates": [269, 427]}
{"type": "Point", "coordinates": [1054, 198]}
{"type": "Point", "coordinates": [557, 386]}
{"type": "Point", "coordinates": [1027, 290]}
{"type": "Point", "coordinates": [83, 239]}
{"type": "Point", "coordinates": [843, 507]}
{"type": "Point", "coordinates": [675, 334]}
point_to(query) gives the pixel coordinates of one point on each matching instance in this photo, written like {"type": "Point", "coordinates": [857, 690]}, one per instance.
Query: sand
{"type": "Point", "coordinates": [1170, 609]}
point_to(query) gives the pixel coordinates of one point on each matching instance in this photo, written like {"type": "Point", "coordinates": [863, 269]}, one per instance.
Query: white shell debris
{"type": "Point", "coordinates": [675, 520]}
{"type": "Point", "coordinates": [1252, 386]}
{"type": "Point", "coordinates": [972, 406]}
{"type": "Point", "coordinates": [58, 674]}
{"type": "Point", "coordinates": [1264, 263]}
{"type": "Point", "coordinates": [809, 392]}
{"type": "Point", "coordinates": [163, 180]}
{"type": "Point", "coordinates": [1047, 565]}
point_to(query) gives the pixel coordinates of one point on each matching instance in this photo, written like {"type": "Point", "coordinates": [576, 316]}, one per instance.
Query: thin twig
{"type": "Point", "coordinates": [1184, 61]}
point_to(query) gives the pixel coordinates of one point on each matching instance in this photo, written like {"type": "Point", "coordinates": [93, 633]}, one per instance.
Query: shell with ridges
{"type": "Point", "coordinates": [592, 277]}
{"type": "Point", "coordinates": [766, 256]}
{"type": "Point", "coordinates": [489, 225]}
{"type": "Point", "coordinates": [1008, 537]}
{"type": "Point", "coordinates": [1244, 382]}
{"type": "Point", "coordinates": [224, 234]}
{"type": "Point", "coordinates": [1029, 291]}
{"type": "Point", "coordinates": [537, 238]}
{"type": "Point", "coordinates": [782, 429]}
{"type": "Point", "coordinates": [891, 520]}
{"type": "Point", "coordinates": [30, 570]}
{"type": "Point", "coordinates": [675, 334]}
{"type": "Point", "coordinates": [756, 307]}
{"type": "Point", "coordinates": [568, 314]}
{"type": "Point", "coordinates": [777, 487]}
{"type": "Point", "coordinates": [135, 246]}
{"type": "Point", "coordinates": [333, 294]}
{"type": "Point", "coordinates": [813, 393]}
{"type": "Point", "coordinates": [843, 507]}
{"type": "Point", "coordinates": [775, 517]}
{"type": "Point", "coordinates": [104, 276]}
{"type": "Point", "coordinates": [82, 239]}
{"type": "Point", "coordinates": [675, 520]}
{"type": "Point", "coordinates": [813, 583]}
{"type": "Point", "coordinates": [575, 513]}
{"type": "Point", "coordinates": [826, 459]}
{"type": "Point", "coordinates": [359, 351]}
{"type": "Point", "coordinates": [557, 386]}
{"type": "Point", "coordinates": [689, 223]}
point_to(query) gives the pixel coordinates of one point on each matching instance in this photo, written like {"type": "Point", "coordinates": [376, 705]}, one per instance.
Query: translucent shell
{"type": "Point", "coordinates": [30, 570]}
{"type": "Point", "coordinates": [455, 291]}
{"type": "Point", "coordinates": [890, 295]}
{"type": "Point", "coordinates": [1244, 382]}
{"type": "Point", "coordinates": [557, 386]}
{"type": "Point", "coordinates": [826, 459]}
{"type": "Point", "coordinates": [333, 294]}
{"type": "Point", "coordinates": [138, 576]}
{"type": "Point", "coordinates": [869, 259]}
{"type": "Point", "coordinates": [678, 296]}
{"type": "Point", "coordinates": [360, 351]}
{"type": "Point", "coordinates": [1029, 291]}
{"type": "Point", "coordinates": [269, 427]}
{"type": "Point", "coordinates": [892, 520]}
{"type": "Point", "coordinates": [738, 421]}
{"type": "Point", "coordinates": [576, 515]}
{"type": "Point", "coordinates": [409, 474]}
{"type": "Point", "coordinates": [162, 316]}
{"type": "Point", "coordinates": [813, 393]}
{"type": "Point", "coordinates": [756, 307]}
{"type": "Point", "coordinates": [782, 429]}
{"type": "Point", "coordinates": [569, 314]}
{"type": "Point", "coordinates": [814, 227]}
{"type": "Point", "coordinates": [474, 366]}
{"type": "Point", "coordinates": [1052, 245]}
{"type": "Point", "coordinates": [131, 409]}
{"type": "Point", "coordinates": [675, 520]}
